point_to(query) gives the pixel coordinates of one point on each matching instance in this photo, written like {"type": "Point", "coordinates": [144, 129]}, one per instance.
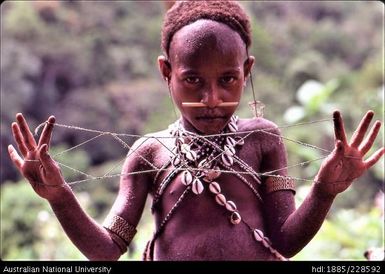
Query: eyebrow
{"type": "Point", "coordinates": [188, 72]}
{"type": "Point", "coordinates": [233, 70]}
{"type": "Point", "coordinates": [227, 71]}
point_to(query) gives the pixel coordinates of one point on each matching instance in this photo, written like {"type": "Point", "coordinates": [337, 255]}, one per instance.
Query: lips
{"type": "Point", "coordinates": [211, 115]}
{"type": "Point", "coordinates": [211, 118]}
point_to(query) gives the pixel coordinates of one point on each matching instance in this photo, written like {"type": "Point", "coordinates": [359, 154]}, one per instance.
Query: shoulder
{"type": "Point", "coordinates": [144, 152]}
{"type": "Point", "coordinates": [261, 133]}
{"type": "Point", "coordinates": [145, 157]}
{"type": "Point", "coordinates": [258, 125]}
{"type": "Point", "coordinates": [150, 144]}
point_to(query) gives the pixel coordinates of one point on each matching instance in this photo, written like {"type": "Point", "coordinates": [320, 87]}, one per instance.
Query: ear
{"type": "Point", "coordinates": [248, 65]}
{"type": "Point", "coordinates": [164, 67]}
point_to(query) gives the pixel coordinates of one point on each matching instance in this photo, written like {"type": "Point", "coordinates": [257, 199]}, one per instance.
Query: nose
{"type": "Point", "coordinates": [212, 96]}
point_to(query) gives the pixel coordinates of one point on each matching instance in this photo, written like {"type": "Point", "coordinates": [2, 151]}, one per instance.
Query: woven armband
{"type": "Point", "coordinates": [120, 230]}
{"type": "Point", "coordinates": [273, 184]}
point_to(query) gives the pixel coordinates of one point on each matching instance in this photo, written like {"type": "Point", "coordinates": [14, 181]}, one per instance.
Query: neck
{"type": "Point", "coordinates": [187, 126]}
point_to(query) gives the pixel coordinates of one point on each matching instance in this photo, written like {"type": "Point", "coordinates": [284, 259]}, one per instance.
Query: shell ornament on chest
{"type": "Point", "coordinates": [199, 157]}
{"type": "Point", "coordinates": [201, 160]}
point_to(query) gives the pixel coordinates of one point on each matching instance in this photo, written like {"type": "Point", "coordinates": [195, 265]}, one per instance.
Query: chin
{"type": "Point", "coordinates": [211, 128]}
{"type": "Point", "coordinates": [206, 126]}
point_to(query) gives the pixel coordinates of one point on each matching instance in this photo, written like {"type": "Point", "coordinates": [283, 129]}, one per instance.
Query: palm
{"type": "Point", "coordinates": [346, 162]}
{"type": "Point", "coordinates": [36, 165]}
{"type": "Point", "coordinates": [34, 172]}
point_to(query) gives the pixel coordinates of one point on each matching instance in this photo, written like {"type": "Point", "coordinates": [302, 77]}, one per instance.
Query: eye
{"type": "Point", "coordinates": [192, 80]}
{"type": "Point", "coordinates": [228, 79]}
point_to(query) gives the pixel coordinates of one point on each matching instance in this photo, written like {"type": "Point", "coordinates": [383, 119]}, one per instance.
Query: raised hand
{"type": "Point", "coordinates": [346, 162]}
{"type": "Point", "coordinates": [35, 164]}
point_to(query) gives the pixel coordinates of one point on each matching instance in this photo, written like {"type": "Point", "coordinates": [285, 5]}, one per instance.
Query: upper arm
{"type": "Point", "coordinates": [279, 204]}
{"type": "Point", "coordinates": [134, 186]}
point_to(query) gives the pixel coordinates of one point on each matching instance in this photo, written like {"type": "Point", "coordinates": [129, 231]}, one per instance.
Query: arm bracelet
{"type": "Point", "coordinates": [277, 183]}
{"type": "Point", "coordinates": [120, 230]}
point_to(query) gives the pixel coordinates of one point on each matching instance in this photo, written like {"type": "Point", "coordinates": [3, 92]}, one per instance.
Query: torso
{"type": "Point", "coordinates": [200, 228]}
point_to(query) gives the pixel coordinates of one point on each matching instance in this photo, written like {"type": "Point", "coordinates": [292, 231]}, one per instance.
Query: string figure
{"type": "Point", "coordinates": [126, 148]}
{"type": "Point", "coordinates": [219, 184]}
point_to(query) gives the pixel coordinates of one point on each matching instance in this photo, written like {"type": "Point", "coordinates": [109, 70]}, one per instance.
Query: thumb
{"type": "Point", "coordinates": [15, 157]}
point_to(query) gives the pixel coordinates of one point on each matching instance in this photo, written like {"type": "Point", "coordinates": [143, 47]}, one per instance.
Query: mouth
{"type": "Point", "coordinates": [211, 118]}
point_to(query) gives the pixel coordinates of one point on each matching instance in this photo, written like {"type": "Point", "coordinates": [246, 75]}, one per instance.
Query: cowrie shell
{"type": "Point", "coordinates": [229, 150]}
{"type": "Point", "coordinates": [186, 178]}
{"type": "Point", "coordinates": [230, 206]}
{"type": "Point", "coordinates": [230, 141]}
{"type": "Point", "coordinates": [185, 148]}
{"type": "Point", "coordinates": [205, 164]}
{"type": "Point", "coordinates": [215, 188]}
{"type": "Point", "coordinates": [227, 160]}
{"type": "Point", "coordinates": [178, 142]}
{"type": "Point", "coordinates": [258, 235]}
{"type": "Point", "coordinates": [235, 218]}
{"type": "Point", "coordinates": [220, 199]}
{"type": "Point", "coordinates": [191, 155]}
{"type": "Point", "coordinates": [176, 161]}
{"type": "Point", "coordinates": [239, 141]}
{"type": "Point", "coordinates": [197, 186]}
{"type": "Point", "coordinates": [233, 127]}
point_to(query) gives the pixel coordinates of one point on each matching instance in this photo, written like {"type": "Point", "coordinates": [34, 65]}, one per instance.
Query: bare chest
{"type": "Point", "coordinates": [203, 210]}
{"type": "Point", "coordinates": [223, 202]}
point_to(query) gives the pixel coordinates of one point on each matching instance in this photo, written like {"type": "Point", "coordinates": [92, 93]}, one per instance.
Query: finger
{"type": "Point", "coordinates": [339, 130]}
{"type": "Point", "coordinates": [369, 140]}
{"type": "Point", "coordinates": [29, 141]}
{"type": "Point", "coordinates": [339, 149]}
{"type": "Point", "coordinates": [45, 137]}
{"type": "Point", "coordinates": [19, 139]}
{"type": "Point", "coordinates": [15, 157]}
{"type": "Point", "coordinates": [374, 158]}
{"type": "Point", "coordinates": [46, 159]}
{"type": "Point", "coordinates": [360, 132]}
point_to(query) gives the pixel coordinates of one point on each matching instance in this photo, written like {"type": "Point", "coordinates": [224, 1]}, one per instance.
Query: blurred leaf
{"type": "Point", "coordinates": [294, 114]}
{"type": "Point", "coordinates": [313, 94]}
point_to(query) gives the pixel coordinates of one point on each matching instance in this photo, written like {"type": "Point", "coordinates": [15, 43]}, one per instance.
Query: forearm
{"type": "Point", "coordinates": [89, 237]}
{"type": "Point", "coordinates": [302, 225]}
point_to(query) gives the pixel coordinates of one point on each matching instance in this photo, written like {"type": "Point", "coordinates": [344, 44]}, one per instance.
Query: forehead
{"type": "Point", "coordinates": [204, 39]}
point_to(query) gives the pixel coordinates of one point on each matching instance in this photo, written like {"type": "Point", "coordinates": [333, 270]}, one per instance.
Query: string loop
{"type": "Point", "coordinates": [118, 137]}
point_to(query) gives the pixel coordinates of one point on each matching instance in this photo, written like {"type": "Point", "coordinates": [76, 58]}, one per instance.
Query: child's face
{"type": "Point", "coordinates": [209, 65]}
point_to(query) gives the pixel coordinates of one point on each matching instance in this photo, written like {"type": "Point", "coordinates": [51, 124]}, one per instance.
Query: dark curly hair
{"type": "Point", "coordinates": [183, 13]}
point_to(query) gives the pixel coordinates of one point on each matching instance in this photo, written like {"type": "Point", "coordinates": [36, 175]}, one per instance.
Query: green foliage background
{"type": "Point", "coordinates": [93, 64]}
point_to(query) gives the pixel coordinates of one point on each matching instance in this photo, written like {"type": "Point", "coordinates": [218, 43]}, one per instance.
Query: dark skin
{"type": "Point", "coordinates": [201, 68]}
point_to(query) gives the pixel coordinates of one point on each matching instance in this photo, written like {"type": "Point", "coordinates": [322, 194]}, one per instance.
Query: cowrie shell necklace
{"type": "Point", "coordinates": [200, 163]}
